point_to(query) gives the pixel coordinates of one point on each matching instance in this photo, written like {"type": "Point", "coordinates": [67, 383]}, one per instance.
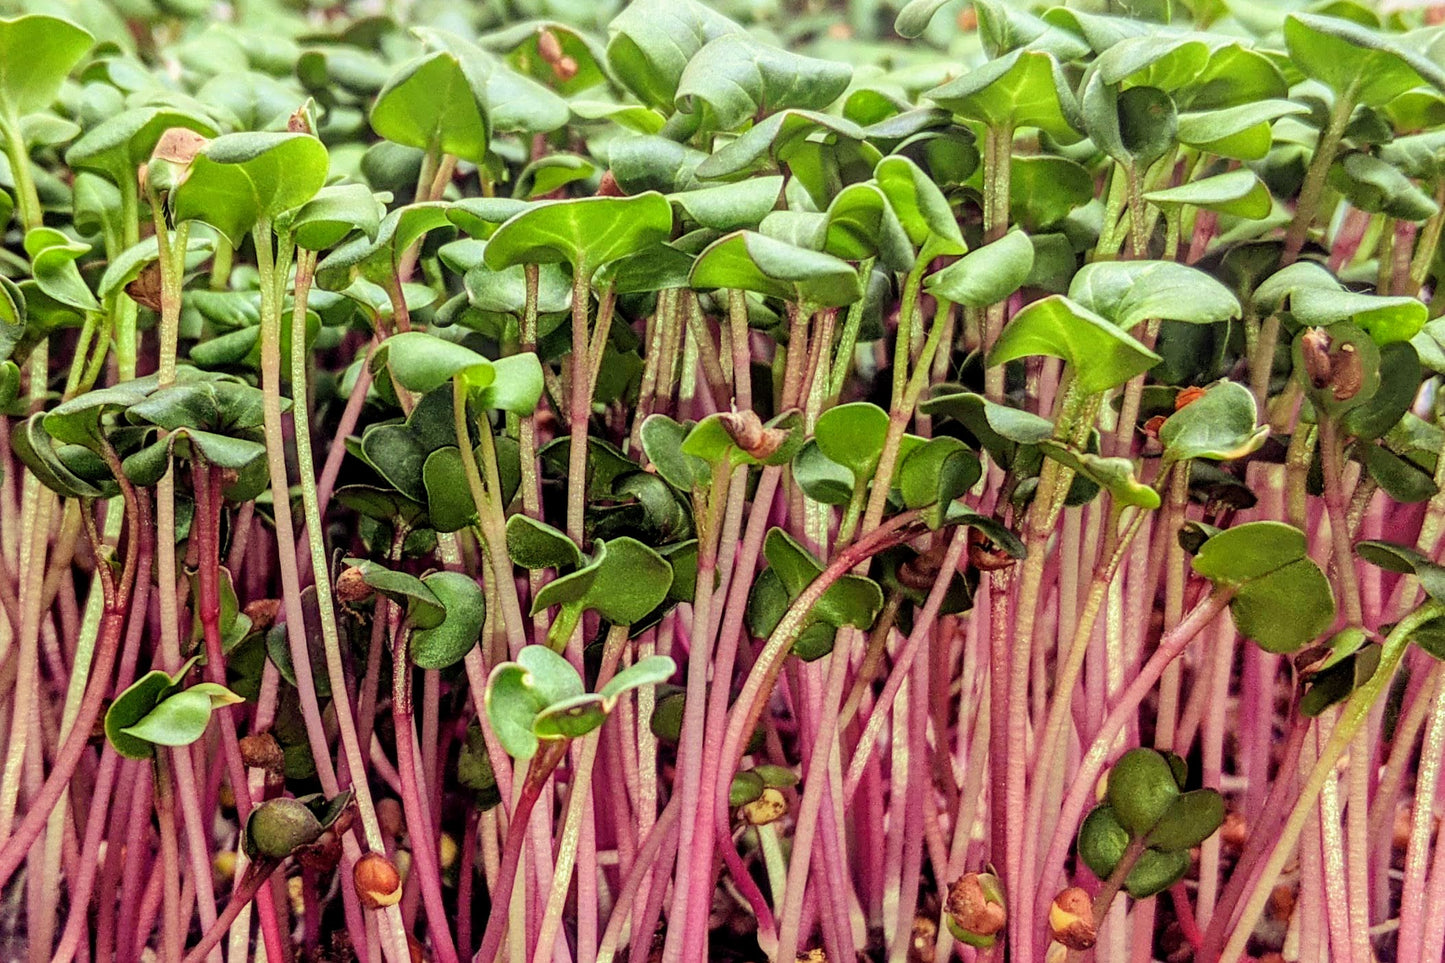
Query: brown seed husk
{"type": "Point", "coordinates": [351, 587]}
{"type": "Point", "coordinates": [262, 751]}
{"type": "Point", "coordinates": [179, 145]}
{"type": "Point", "coordinates": [984, 555]}
{"type": "Point", "coordinates": [748, 433]}
{"type": "Point", "coordinates": [975, 904]}
{"type": "Point", "coordinates": [145, 290]}
{"type": "Point", "coordinates": [1071, 919]}
{"type": "Point", "coordinates": [1315, 347]}
{"type": "Point", "coordinates": [262, 613]}
{"type": "Point", "coordinates": [549, 47]}
{"type": "Point", "coordinates": [376, 880]}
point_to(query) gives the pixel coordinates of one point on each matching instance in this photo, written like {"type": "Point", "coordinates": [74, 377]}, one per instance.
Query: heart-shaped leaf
{"type": "Point", "coordinates": [755, 262]}
{"type": "Point", "coordinates": [180, 719]}
{"type": "Point", "coordinates": [987, 275]}
{"type": "Point", "coordinates": [921, 207]}
{"type": "Point", "coordinates": [1286, 608]}
{"type": "Point", "coordinates": [1242, 132]}
{"type": "Point", "coordinates": [78, 421]}
{"type": "Point", "coordinates": [155, 711]}
{"type": "Point", "coordinates": [998, 428]}
{"type": "Point", "coordinates": [374, 258]}
{"type": "Point", "coordinates": [1101, 355]}
{"type": "Point", "coordinates": [652, 670]}
{"type": "Point", "coordinates": [1350, 664]}
{"type": "Point", "coordinates": [733, 77]}
{"type": "Point", "coordinates": [534, 545]}
{"type": "Point", "coordinates": [623, 582]}
{"type": "Point", "coordinates": [662, 440]}
{"type": "Point", "coordinates": [937, 472]}
{"type": "Point", "coordinates": [1401, 479]}
{"type": "Point", "coordinates": [1021, 89]}
{"type": "Point", "coordinates": [730, 207]}
{"type": "Point", "coordinates": [446, 643]}
{"type": "Point", "coordinates": [36, 451]}
{"type": "Point", "coordinates": [334, 213]}
{"type": "Point", "coordinates": [1136, 126]}
{"type": "Point", "coordinates": [1155, 872]}
{"type": "Point", "coordinates": [238, 179]}
{"type": "Point", "coordinates": [517, 692]}
{"type": "Point", "coordinates": [852, 435]}
{"type": "Point", "coordinates": [1239, 193]}
{"type": "Point", "coordinates": [1190, 819]}
{"type": "Point", "coordinates": [1347, 57]}
{"type": "Point", "coordinates": [822, 478]}
{"type": "Point", "coordinates": [1218, 425]}
{"type": "Point", "coordinates": [1406, 561]}
{"type": "Point", "coordinates": [1400, 374]}
{"type": "Point", "coordinates": [1044, 190]}
{"type": "Point", "coordinates": [130, 707]}
{"type": "Point", "coordinates": [420, 361]}
{"type": "Point", "coordinates": [712, 440]}
{"type": "Point", "coordinates": [1249, 551]}
{"type": "Point", "coordinates": [914, 17]}
{"type": "Point", "coordinates": [585, 233]}
{"type": "Point", "coordinates": [509, 100]}
{"type": "Point", "coordinates": [1386, 319]}
{"type": "Point", "coordinates": [449, 504]}
{"type": "Point", "coordinates": [37, 52]}
{"type": "Point", "coordinates": [1373, 185]}
{"type": "Point", "coordinates": [1130, 292]}
{"type": "Point", "coordinates": [424, 610]}
{"type": "Point", "coordinates": [860, 224]}
{"type": "Point", "coordinates": [52, 263]}
{"type": "Point", "coordinates": [435, 103]}
{"type": "Point", "coordinates": [1141, 789]}
{"type": "Point", "coordinates": [852, 600]}
{"type": "Point", "coordinates": [782, 138]}
{"type": "Point", "coordinates": [1102, 841]}
{"type": "Point", "coordinates": [1117, 475]}
{"type": "Point", "coordinates": [516, 385]}
{"type": "Point", "coordinates": [570, 719]}
{"type": "Point", "coordinates": [652, 42]}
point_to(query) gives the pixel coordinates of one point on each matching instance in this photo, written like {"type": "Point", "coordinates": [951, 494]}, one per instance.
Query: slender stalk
{"type": "Point", "coordinates": [576, 798]}
{"type": "Point", "coordinates": [27, 198]}
{"type": "Point", "coordinates": [691, 903]}
{"type": "Point", "coordinates": [257, 875]}
{"type": "Point", "coordinates": [539, 771]}
{"type": "Point", "coordinates": [1343, 568]}
{"type": "Point", "coordinates": [1313, 189]}
{"type": "Point", "coordinates": [273, 267]}
{"type": "Point", "coordinates": [420, 828]}
{"type": "Point", "coordinates": [1351, 717]}
{"type": "Point", "coordinates": [172, 923]}
{"type": "Point", "coordinates": [579, 405]}
{"type": "Point", "coordinates": [1082, 789]}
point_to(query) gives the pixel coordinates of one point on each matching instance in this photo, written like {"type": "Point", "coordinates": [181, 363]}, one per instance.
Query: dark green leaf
{"type": "Point", "coordinates": [445, 644]}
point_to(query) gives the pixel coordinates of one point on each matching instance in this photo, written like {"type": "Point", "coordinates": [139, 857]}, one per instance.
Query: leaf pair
{"type": "Point", "coordinates": [540, 697]}
{"type": "Point", "coordinates": [852, 600]}
{"type": "Point", "coordinates": [158, 711]}
{"type": "Point", "coordinates": [1282, 600]}
{"type": "Point", "coordinates": [446, 611]}
{"type": "Point", "coordinates": [624, 581]}
{"type": "Point", "coordinates": [1145, 801]}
